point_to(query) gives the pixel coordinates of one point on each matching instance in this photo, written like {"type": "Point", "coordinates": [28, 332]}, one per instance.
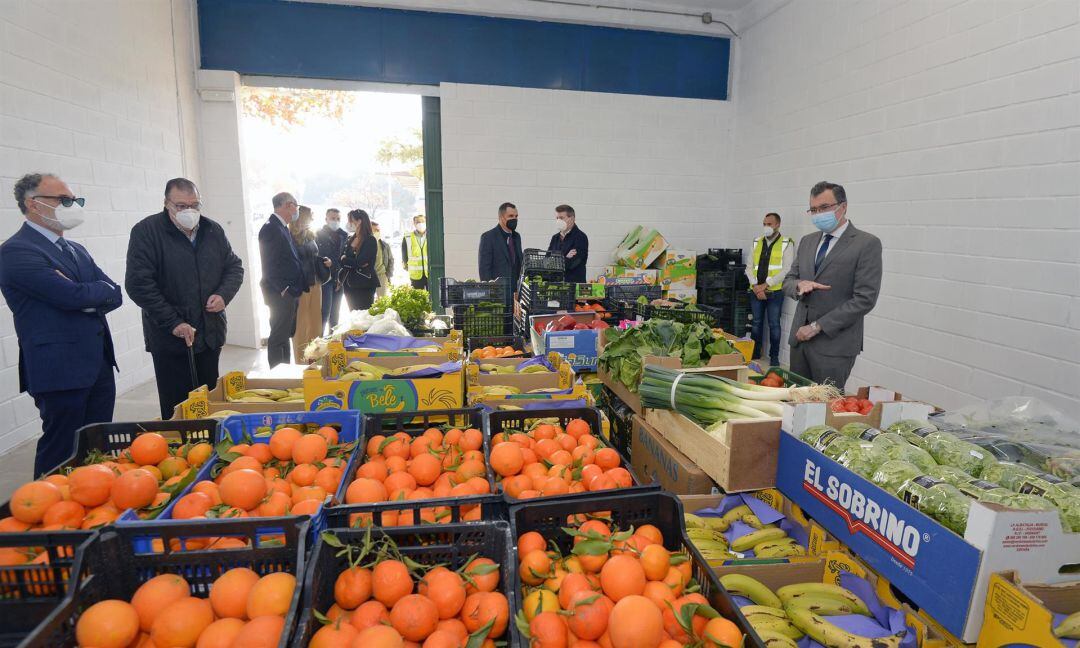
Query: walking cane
{"type": "Point", "coordinates": [191, 363]}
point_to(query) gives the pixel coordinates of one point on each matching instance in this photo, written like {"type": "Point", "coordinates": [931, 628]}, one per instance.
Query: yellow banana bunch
{"type": "Point", "coordinates": [536, 368]}
{"type": "Point", "coordinates": [498, 390]}
{"type": "Point", "coordinates": [1069, 628]}
{"type": "Point", "coordinates": [366, 367]}
{"type": "Point", "coordinates": [220, 414]}
{"type": "Point", "coordinates": [400, 371]}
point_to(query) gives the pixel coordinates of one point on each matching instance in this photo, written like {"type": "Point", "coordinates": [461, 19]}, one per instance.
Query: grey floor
{"type": "Point", "coordinates": [138, 404]}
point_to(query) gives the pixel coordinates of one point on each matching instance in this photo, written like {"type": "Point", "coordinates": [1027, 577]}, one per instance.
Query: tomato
{"type": "Point", "coordinates": [837, 405]}
{"type": "Point", "coordinates": [866, 409]}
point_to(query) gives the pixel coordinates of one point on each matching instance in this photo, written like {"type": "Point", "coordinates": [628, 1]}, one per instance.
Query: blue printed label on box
{"type": "Point", "coordinates": [929, 563]}
{"type": "Point", "coordinates": [578, 347]}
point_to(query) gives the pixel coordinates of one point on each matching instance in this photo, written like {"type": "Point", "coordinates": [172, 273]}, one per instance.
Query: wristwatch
{"type": "Point", "coordinates": [816, 327]}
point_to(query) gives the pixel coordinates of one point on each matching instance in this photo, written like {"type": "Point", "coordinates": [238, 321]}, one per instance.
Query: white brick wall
{"type": "Point", "coordinates": [619, 160]}
{"type": "Point", "coordinates": [88, 90]}
{"type": "Point", "coordinates": [955, 127]}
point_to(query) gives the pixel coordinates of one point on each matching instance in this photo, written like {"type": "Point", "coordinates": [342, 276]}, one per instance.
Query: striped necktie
{"type": "Point", "coordinates": [822, 251]}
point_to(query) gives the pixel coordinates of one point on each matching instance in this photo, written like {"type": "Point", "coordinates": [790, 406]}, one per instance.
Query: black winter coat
{"type": "Point", "coordinates": [331, 245]}
{"type": "Point", "coordinates": [358, 266]}
{"type": "Point", "coordinates": [311, 262]}
{"type": "Point", "coordinates": [171, 281]}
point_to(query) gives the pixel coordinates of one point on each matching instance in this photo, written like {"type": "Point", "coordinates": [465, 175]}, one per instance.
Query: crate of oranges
{"type": "Point", "coordinates": [126, 597]}
{"type": "Point", "coordinates": [616, 570]}
{"type": "Point", "coordinates": [442, 587]}
{"type": "Point", "coordinates": [271, 465]}
{"type": "Point", "coordinates": [426, 467]}
{"type": "Point", "coordinates": [554, 452]}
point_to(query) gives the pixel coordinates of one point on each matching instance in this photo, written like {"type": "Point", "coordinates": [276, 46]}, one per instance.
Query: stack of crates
{"type": "Point", "coordinates": [722, 284]}
{"type": "Point", "coordinates": [542, 289]}
{"type": "Point", "coordinates": [479, 309]}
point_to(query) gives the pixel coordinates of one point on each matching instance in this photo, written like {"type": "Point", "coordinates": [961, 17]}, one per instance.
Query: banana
{"type": "Point", "coordinates": [747, 610]}
{"type": "Point", "coordinates": [350, 375]}
{"type": "Point", "coordinates": [752, 520]}
{"type": "Point", "coordinates": [252, 399]}
{"type": "Point", "coordinates": [693, 521]}
{"type": "Point", "coordinates": [778, 551]}
{"type": "Point", "coordinates": [757, 537]}
{"type": "Point", "coordinates": [734, 514]}
{"type": "Point", "coordinates": [292, 399]}
{"type": "Point", "coordinates": [487, 367]}
{"type": "Point", "coordinates": [829, 635]}
{"type": "Point", "coordinates": [751, 588]}
{"type": "Point", "coordinates": [531, 369]}
{"type": "Point", "coordinates": [499, 390]}
{"type": "Point", "coordinates": [788, 592]}
{"type": "Point", "coordinates": [822, 605]}
{"type": "Point", "coordinates": [779, 542]}
{"type": "Point", "coordinates": [545, 390]}
{"type": "Point", "coordinates": [706, 534]}
{"type": "Point", "coordinates": [1069, 628]}
{"type": "Point", "coordinates": [774, 624]}
{"type": "Point", "coordinates": [773, 639]}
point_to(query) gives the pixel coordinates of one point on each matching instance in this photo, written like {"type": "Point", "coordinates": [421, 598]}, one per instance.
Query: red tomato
{"type": "Point", "coordinates": [837, 405]}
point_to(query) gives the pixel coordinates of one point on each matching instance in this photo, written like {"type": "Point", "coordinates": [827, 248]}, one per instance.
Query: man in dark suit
{"type": "Point", "coordinates": [58, 298]}
{"type": "Point", "coordinates": [836, 279]}
{"type": "Point", "coordinates": [331, 242]}
{"type": "Point", "coordinates": [282, 277]}
{"type": "Point", "coordinates": [500, 249]}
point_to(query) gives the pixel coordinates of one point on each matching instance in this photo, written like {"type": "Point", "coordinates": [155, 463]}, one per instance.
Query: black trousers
{"type": "Point", "coordinates": [173, 376]}
{"type": "Point", "coordinates": [282, 327]}
{"type": "Point", "coordinates": [359, 298]}
{"type": "Point", "coordinates": [331, 304]}
{"type": "Point", "coordinates": [64, 412]}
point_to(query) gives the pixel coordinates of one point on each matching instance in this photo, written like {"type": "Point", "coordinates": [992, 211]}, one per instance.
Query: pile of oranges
{"type": "Point", "coordinates": [143, 477]}
{"type": "Point", "coordinates": [292, 474]}
{"type": "Point", "coordinates": [386, 603]}
{"type": "Point", "coordinates": [548, 460]}
{"type": "Point", "coordinates": [485, 353]}
{"type": "Point", "coordinates": [614, 589]}
{"type": "Point", "coordinates": [434, 464]}
{"type": "Point", "coordinates": [243, 610]}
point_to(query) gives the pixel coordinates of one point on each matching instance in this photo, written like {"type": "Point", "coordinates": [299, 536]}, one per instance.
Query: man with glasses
{"type": "Point", "coordinates": [836, 279]}
{"type": "Point", "coordinates": [331, 241]}
{"type": "Point", "coordinates": [58, 298]}
{"type": "Point", "coordinates": [182, 272]}
{"type": "Point", "coordinates": [282, 277]}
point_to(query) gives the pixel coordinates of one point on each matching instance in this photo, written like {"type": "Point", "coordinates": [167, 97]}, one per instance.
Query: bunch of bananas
{"type": "Point", "coordinates": [290, 395]}
{"type": "Point", "coordinates": [783, 617]}
{"type": "Point", "coordinates": [488, 367]}
{"type": "Point", "coordinates": [767, 541]}
{"type": "Point", "coordinates": [498, 390]}
{"type": "Point", "coordinates": [1069, 628]}
{"type": "Point", "coordinates": [221, 414]}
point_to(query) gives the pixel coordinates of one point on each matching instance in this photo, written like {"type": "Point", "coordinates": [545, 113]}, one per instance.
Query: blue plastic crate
{"type": "Point", "coordinates": [243, 428]}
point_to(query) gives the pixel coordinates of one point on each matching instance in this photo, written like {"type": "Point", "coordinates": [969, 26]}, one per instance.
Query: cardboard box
{"type": "Point", "coordinates": [537, 324]}
{"type": "Point", "coordinates": [678, 269]}
{"type": "Point", "coordinates": [641, 250]}
{"type": "Point", "coordinates": [324, 390]}
{"type": "Point", "coordinates": [827, 569]}
{"type": "Point", "coordinates": [563, 378]}
{"type": "Point", "coordinates": [688, 295]}
{"type": "Point", "coordinates": [617, 275]}
{"type": "Point", "coordinates": [655, 460]}
{"type": "Point", "coordinates": [578, 347]}
{"type": "Point", "coordinates": [1025, 613]}
{"type": "Point", "coordinates": [741, 457]}
{"type": "Point", "coordinates": [449, 347]}
{"type": "Point", "coordinates": [198, 405]}
{"type": "Point", "coordinates": [236, 381]}
{"type": "Point", "coordinates": [945, 574]}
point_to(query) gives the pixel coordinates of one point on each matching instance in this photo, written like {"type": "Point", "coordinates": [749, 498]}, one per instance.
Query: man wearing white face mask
{"type": "Point", "coordinates": [571, 242]}
{"type": "Point", "coordinates": [283, 277]}
{"type": "Point", "coordinates": [414, 253]}
{"type": "Point", "coordinates": [58, 298]}
{"type": "Point", "coordinates": [770, 260]}
{"type": "Point", "coordinates": [331, 241]}
{"type": "Point", "coordinates": [836, 280]}
{"type": "Point", "coordinates": [182, 272]}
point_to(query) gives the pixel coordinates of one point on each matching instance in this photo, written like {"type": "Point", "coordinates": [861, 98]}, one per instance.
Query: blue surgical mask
{"type": "Point", "coordinates": [825, 221]}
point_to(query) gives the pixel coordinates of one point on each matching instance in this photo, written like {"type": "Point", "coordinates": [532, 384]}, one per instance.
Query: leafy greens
{"type": "Point", "coordinates": [624, 355]}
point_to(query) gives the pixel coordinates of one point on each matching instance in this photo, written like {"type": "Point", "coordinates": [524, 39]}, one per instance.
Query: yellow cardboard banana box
{"type": "Point", "coordinates": [449, 346]}
{"type": "Point", "coordinates": [369, 385]}
{"type": "Point", "coordinates": [1026, 614]}
{"type": "Point", "coordinates": [500, 380]}
{"type": "Point", "coordinates": [199, 405]}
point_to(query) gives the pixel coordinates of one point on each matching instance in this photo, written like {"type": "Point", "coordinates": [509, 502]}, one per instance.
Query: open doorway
{"type": "Point", "coordinates": [333, 148]}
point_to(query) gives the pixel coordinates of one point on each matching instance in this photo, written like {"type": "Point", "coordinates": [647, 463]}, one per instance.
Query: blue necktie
{"type": "Point", "coordinates": [66, 247]}
{"type": "Point", "coordinates": [821, 252]}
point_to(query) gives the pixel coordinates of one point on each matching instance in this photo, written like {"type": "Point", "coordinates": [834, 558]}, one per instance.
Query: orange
{"type": "Point", "coordinates": [548, 630]}
{"type": "Point", "coordinates": [63, 513]}
{"type": "Point", "coordinates": [651, 533]}
{"type": "Point", "coordinates": [379, 636]}
{"type": "Point", "coordinates": [156, 594]}
{"type": "Point", "coordinates": [507, 459]}
{"type": "Point", "coordinates": [414, 616]}
{"type": "Point", "coordinates": [91, 485]}
{"type": "Point", "coordinates": [328, 433]}
{"type": "Point", "coordinates": [535, 567]}
{"type": "Point", "coordinates": [375, 469]}
{"type": "Point", "coordinates": [442, 639]}
{"type": "Point", "coordinates": [100, 515]}
{"type": "Point", "coordinates": [454, 627]}
{"type": "Point", "coordinates": [607, 458]}
{"type": "Point", "coordinates": [390, 582]}
{"type": "Point", "coordinates": [220, 634]}
{"type": "Point", "coordinates": [334, 635]}
{"type": "Point", "coordinates": [571, 585]}
{"type": "Point", "coordinates": [149, 449]}
{"type": "Point", "coordinates": [210, 489]}
{"type": "Point", "coordinates": [260, 452]}
{"type": "Point", "coordinates": [635, 623]}
{"type": "Point", "coordinates": [329, 478]}
{"type": "Point", "coordinates": [446, 589]}
{"type": "Point", "coordinates": [276, 504]}
{"type": "Point", "coordinates": [352, 587]}
{"type": "Point", "coordinates": [484, 575]}
{"type": "Point", "coordinates": [172, 466]}
{"type": "Point", "coordinates": [399, 481]}
{"type": "Point", "coordinates": [587, 620]}
{"type": "Point", "coordinates": [272, 594]}
{"type": "Point", "coordinates": [471, 439]}
{"type": "Point", "coordinates": [482, 607]}
{"type": "Point", "coordinates": [528, 542]}
{"type": "Point", "coordinates": [282, 442]}
{"type": "Point", "coordinates": [372, 613]}
{"type": "Point", "coordinates": [304, 474]}
{"type": "Point", "coordinates": [198, 454]}
{"type": "Point", "coordinates": [397, 446]}
{"type": "Point", "coordinates": [671, 613]}
{"type": "Point", "coordinates": [134, 489]}
{"type": "Point", "coordinates": [622, 576]}
{"type": "Point", "coordinates": [261, 632]}
{"type": "Point", "coordinates": [425, 469]}
{"type": "Point", "coordinates": [243, 489]}
{"type": "Point", "coordinates": [310, 449]}
{"type": "Point", "coordinates": [364, 490]}
{"type": "Point", "coordinates": [31, 500]}
{"type": "Point", "coordinates": [577, 427]}
{"type": "Point", "coordinates": [108, 624]}
{"type": "Point", "coordinates": [192, 505]}
{"type": "Point", "coordinates": [180, 623]}
{"type": "Point", "coordinates": [721, 633]}
{"type": "Point", "coordinates": [229, 593]}
{"type": "Point", "coordinates": [655, 560]}
{"type": "Point", "coordinates": [470, 468]}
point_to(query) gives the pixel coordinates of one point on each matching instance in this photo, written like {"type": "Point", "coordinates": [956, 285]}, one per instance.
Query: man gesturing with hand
{"type": "Point", "coordinates": [835, 279]}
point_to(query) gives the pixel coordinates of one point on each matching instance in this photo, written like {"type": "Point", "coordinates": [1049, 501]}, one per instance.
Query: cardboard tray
{"type": "Point", "coordinates": [1023, 613]}
{"type": "Point", "coordinates": [323, 390]}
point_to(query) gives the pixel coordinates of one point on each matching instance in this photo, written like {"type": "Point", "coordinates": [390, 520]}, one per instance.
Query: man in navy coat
{"type": "Point", "coordinates": [282, 277]}
{"type": "Point", "coordinates": [58, 297]}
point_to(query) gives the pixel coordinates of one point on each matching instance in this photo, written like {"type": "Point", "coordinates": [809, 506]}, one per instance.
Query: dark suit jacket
{"type": "Point", "coordinates": [358, 266]}
{"type": "Point", "coordinates": [575, 240]}
{"type": "Point", "coordinates": [60, 320]}
{"type": "Point", "coordinates": [495, 257]}
{"type": "Point", "coordinates": [280, 259]}
{"type": "Point", "coordinates": [331, 243]}
{"type": "Point", "coordinates": [852, 269]}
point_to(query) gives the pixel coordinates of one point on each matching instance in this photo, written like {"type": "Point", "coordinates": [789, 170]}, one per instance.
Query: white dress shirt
{"type": "Point", "coordinates": [53, 237]}
{"type": "Point", "coordinates": [836, 234]}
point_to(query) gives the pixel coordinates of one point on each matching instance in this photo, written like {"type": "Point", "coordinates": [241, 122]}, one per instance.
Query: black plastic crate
{"type": "Point", "coordinates": [450, 545]}
{"type": "Point", "coordinates": [544, 264]}
{"type": "Point", "coordinates": [719, 259]}
{"type": "Point", "coordinates": [511, 421]}
{"type": "Point", "coordinates": [514, 341]}
{"type": "Point", "coordinates": [113, 437]}
{"type": "Point", "coordinates": [733, 278]}
{"type": "Point", "coordinates": [625, 510]}
{"type": "Point", "coordinates": [700, 313]}
{"type": "Point", "coordinates": [454, 292]}
{"type": "Point", "coordinates": [480, 320]}
{"type": "Point", "coordinates": [547, 295]}
{"type": "Point", "coordinates": [620, 416]}
{"type": "Point", "coordinates": [630, 294]}
{"type": "Point", "coordinates": [721, 297]}
{"type": "Point", "coordinates": [108, 566]}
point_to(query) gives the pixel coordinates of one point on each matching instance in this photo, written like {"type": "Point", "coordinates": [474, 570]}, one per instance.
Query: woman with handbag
{"type": "Point", "coordinates": [316, 272]}
{"type": "Point", "coordinates": [359, 277]}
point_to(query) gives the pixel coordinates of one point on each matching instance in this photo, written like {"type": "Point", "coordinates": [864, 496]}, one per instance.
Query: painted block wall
{"type": "Point", "coordinates": [88, 90]}
{"type": "Point", "coordinates": [619, 160]}
{"type": "Point", "coordinates": [955, 128]}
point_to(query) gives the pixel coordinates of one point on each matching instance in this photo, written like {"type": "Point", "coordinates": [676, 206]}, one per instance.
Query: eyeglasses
{"type": "Point", "coordinates": [181, 206]}
{"type": "Point", "coordinates": [66, 201]}
{"type": "Point", "coordinates": [822, 208]}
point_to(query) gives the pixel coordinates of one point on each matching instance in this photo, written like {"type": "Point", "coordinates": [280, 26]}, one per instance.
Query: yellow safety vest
{"type": "Point", "coordinates": [418, 264]}
{"type": "Point", "coordinates": [776, 258]}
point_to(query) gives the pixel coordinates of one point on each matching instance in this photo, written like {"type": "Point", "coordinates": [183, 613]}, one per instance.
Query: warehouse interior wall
{"type": "Point", "coordinates": [955, 128]}
{"type": "Point", "coordinates": [101, 93]}
{"type": "Point", "coordinates": [619, 160]}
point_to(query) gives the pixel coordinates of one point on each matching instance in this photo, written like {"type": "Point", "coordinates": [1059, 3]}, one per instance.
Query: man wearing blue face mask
{"type": "Point", "coordinates": [836, 279]}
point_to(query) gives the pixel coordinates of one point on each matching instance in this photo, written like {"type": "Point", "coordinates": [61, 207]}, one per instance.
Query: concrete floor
{"type": "Point", "coordinates": [138, 404]}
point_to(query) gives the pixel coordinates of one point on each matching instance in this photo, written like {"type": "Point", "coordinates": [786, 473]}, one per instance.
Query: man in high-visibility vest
{"type": "Point", "coordinates": [414, 253]}
{"type": "Point", "coordinates": [770, 259]}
